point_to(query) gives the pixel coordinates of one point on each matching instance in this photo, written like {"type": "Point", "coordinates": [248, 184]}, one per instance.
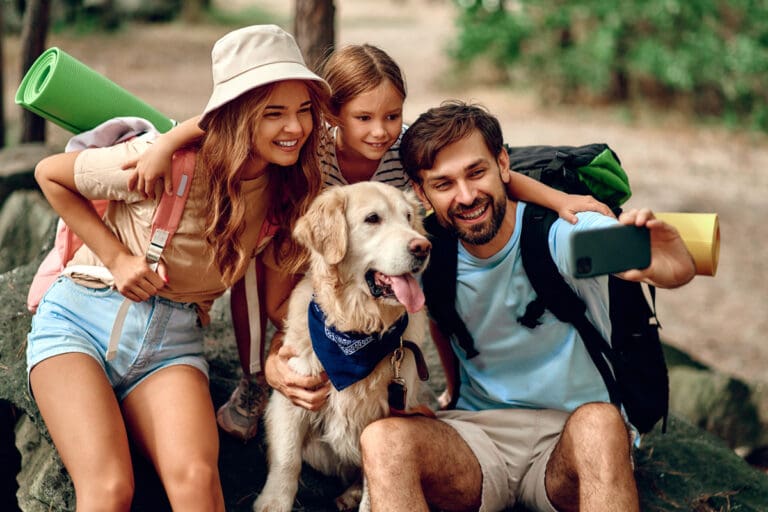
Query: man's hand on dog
{"type": "Point", "coordinates": [309, 392]}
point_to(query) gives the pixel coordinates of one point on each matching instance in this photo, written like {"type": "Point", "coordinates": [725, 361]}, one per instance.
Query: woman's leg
{"type": "Point", "coordinates": [83, 417]}
{"type": "Point", "coordinates": [170, 416]}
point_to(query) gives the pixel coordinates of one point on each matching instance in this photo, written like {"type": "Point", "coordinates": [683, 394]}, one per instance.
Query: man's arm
{"type": "Point", "coordinates": [449, 361]}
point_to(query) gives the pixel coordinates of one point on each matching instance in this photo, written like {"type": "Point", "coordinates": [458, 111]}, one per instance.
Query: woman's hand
{"type": "Point", "coordinates": [134, 278]}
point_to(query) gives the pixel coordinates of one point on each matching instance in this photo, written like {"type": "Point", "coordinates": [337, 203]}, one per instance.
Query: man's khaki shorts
{"type": "Point", "coordinates": [513, 447]}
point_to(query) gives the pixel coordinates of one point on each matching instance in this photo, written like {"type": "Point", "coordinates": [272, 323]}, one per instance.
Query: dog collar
{"type": "Point", "coordinates": [348, 357]}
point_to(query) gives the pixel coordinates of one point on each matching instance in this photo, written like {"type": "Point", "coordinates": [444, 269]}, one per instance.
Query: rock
{"type": "Point", "coordinates": [17, 167]}
{"type": "Point", "coordinates": [27, 223]}
{"type": "Point", "coordinates": [717, 403]}
{"type": "Point", "coordinates": [45, 484]}
{"type": "Point", "coordinates": [690, 469]}
{"type": "Point", "coordinates": [685, 468]}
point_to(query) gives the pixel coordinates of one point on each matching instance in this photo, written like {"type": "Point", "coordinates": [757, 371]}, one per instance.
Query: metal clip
{"type": "Point", "coordinates": [396, 361]}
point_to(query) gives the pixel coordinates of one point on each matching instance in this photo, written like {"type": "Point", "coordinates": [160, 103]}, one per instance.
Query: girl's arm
{"type": "Point", "coordinates": [529, 190]}
{"type": "Point", "coordinates": [133, 277]}
{"type": "Point", "coordinates": [155, 162]}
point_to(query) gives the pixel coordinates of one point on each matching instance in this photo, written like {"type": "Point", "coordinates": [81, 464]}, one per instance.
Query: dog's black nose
{"type": "Point", "coordinates": [419, 247]}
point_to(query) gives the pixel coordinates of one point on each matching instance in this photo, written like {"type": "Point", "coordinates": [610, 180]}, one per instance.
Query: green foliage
{"type": "Point", "coordinates": [252, 15]}
{"type": "Point", "coordinates": [710, 56]}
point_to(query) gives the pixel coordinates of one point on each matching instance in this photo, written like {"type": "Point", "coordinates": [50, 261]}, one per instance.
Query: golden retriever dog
{"type": "Point", "coordinates": [366, 244]}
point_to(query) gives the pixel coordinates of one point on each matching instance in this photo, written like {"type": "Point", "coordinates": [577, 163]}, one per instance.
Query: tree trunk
{"type": "Point", "coordinates": [2, 79]}
{"type": "Point", "coordinates": [315, 30]}
{"type": "Point", "coordinates": [192, 11]}
{"type": "Point", "coordinates": [33, 35]}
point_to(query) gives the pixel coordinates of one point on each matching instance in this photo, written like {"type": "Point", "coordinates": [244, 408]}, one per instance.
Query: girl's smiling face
{"type": "Point", "coordinates": [371, 122]}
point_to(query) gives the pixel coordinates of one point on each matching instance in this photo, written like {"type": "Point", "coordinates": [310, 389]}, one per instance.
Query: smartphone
{"type": "Point", "coordinates": [609, 250]}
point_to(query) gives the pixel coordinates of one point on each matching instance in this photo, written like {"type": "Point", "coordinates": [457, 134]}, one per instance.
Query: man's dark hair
{"type": "Point", "coordinates": [440, 126]}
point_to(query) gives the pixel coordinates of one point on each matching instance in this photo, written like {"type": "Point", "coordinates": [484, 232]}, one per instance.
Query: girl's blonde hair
{"type": "Point", "coordinates": [355, 69]}
{"type": "Point", "coordinates": [225, 150]}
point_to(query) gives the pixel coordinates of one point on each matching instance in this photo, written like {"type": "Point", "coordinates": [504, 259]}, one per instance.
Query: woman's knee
{"type": "Point", "coordinates": [193, 478]}
{"type": "Point", "coordinates": [106, 492]}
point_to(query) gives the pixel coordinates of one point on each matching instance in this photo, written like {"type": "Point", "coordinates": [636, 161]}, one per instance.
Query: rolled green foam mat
{"type": "Point", "coordinates": [68, 93]}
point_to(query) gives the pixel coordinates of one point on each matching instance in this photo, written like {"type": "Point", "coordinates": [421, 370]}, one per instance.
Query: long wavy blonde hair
{"type": "Point", "coordinates": [226, 149]}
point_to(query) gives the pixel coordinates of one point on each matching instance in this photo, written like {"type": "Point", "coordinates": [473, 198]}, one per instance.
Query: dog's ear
{"type": "Point", "coordinates": [323, 228]}
{"type": "Point", "coordinates": [417, 209]}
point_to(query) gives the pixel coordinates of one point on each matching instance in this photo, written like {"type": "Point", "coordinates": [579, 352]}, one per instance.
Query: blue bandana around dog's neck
{"type": "Point", "coordinates": [348, 357]}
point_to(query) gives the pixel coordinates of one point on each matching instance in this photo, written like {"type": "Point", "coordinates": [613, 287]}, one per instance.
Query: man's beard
{"type": "Point", "coordinates": [478, 234]}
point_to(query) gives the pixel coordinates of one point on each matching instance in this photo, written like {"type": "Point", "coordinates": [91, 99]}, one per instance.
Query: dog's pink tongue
{"type": "Point", "coordinates": [408, 292]}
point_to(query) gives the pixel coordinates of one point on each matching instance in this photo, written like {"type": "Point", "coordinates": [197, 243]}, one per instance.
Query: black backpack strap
{"type": "Point", "coordinates": [638, 356]}
{"type": "Point", "coordinates": [555, 294]}
{"type": "Point", "coordinates": [439, 284]}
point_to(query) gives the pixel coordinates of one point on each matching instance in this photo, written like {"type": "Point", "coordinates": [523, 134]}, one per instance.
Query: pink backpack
{"type": "Point", "coordinates": [164, 225]}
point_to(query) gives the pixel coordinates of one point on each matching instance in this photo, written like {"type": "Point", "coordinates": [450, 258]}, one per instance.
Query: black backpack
{"type": "Point", "coordinates": [632, 365]}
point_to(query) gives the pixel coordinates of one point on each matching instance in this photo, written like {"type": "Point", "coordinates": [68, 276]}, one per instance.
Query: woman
{"type": "Point", "coordinates": [255, 167]}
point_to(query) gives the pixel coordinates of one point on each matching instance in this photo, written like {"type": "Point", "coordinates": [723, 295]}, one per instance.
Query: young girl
{"type": "Point", "coordinates": [256, 164]}
{"type": "Point", "coordinates": [368, 93]}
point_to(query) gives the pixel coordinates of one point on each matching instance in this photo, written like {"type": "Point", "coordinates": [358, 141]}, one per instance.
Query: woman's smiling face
{"type": "Point", "coordinates": [285, 124]}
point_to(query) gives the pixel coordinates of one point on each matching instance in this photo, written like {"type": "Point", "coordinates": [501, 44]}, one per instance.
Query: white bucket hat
{"type": "Point", "coordinates": [251, 57]}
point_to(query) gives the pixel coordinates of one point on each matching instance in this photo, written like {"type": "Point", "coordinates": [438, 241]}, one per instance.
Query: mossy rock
{"type": "Point", "coordinates": [682, 470]}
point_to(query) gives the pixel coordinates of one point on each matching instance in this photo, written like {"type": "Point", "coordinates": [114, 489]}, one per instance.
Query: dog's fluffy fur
{"type": "Point", "coordinates": [351, 232]}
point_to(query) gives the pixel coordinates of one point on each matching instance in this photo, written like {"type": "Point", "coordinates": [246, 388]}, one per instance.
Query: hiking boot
{"type": "Point", "coordinates": [240, 415]}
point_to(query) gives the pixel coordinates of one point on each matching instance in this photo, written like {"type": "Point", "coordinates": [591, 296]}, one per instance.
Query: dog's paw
{"type": "Point", "coordinates": [271, 504]}
{"type": "Point", "coordinates": [350, 499]}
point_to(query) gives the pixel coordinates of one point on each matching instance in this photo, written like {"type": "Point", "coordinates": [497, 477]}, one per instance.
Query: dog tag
{"type": "Point", "coordinates": [396, 394]}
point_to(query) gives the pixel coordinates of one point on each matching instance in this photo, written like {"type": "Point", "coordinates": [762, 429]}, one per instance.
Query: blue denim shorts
{"type": "Point", "coordinates": [157, 333]}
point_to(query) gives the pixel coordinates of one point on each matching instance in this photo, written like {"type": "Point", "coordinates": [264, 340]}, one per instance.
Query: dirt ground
{"type": "Point", "coordinates": [673, 164]}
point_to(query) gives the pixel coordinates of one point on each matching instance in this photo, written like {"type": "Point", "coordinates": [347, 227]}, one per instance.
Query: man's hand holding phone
{"type": "Point", "coordinates": [610, 250]}
{"type": "Point", "coordinates": [640, 248]}
{"type": "Point", "coordinates": [671, 263]}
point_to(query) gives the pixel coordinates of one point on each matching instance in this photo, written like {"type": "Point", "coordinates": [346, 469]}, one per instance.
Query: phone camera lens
{"type": "Point", "coordinates": [584, 265]}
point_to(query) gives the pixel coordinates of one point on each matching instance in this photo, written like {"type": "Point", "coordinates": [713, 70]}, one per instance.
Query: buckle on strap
{"type": "Point", "coordinates": [156, 245]}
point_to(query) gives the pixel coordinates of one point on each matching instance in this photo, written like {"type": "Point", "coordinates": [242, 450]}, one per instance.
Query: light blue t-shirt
{"type": "Point", "coordinates": [544, 368]}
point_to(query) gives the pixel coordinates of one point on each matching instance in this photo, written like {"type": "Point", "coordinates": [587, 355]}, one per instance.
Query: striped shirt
{"type": "Point", "coordinates": [390, 170]}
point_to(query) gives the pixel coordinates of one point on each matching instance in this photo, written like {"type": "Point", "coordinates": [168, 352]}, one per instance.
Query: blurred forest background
{"type": "Point", "coordinates": [677, 88]}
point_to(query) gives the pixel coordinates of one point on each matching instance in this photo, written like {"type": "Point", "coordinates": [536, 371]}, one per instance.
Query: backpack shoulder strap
{"type": "Point", "coordinates": [439, 283]}
{"type": "Point", "coordinates": [164, 225]}
{"type": "Point", "coordinates": [171, 206]}
{"type": "Point", "coordinates": [555, 294]}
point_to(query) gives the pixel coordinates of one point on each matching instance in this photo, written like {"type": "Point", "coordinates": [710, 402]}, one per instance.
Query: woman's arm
{"type": "Point", "coordinates": [529, 190]}
{"type": "Point", "coordinates": [133, 277]}
{"type": "Point", "coordinates": [305, 391]}
{"type": "Point", "coordinates": [155, 162]}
